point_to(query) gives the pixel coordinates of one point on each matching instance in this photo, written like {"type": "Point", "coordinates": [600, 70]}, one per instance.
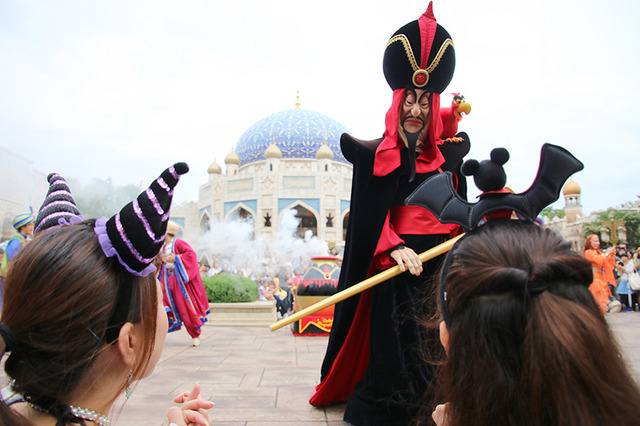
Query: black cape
{"type": "Point", "coordinates": [371, 199]}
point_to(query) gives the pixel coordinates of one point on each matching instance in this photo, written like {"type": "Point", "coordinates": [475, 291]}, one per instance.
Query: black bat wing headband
{"type": "Point", "coordinates": [556, 165]}
{"type": "Point", "coordinates": [439, 196]}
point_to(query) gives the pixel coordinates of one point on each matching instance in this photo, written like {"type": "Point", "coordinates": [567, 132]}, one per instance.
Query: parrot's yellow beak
{"type": "Point", "coordinates": [463, 108]}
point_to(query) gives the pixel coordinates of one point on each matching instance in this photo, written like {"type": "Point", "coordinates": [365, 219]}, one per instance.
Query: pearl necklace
{"type": "Point", "coordinates": [86, 414]}
{"type": "Point", "coordinates": [81, 413]}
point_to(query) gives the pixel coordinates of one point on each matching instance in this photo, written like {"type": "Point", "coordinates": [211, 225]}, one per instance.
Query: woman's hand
{"type": "Point", "coordinates": [439, 414]}
{"type": "Point", "coordinates": [193, 410]}
{"type": "Point", "coordinates": [406, 256]}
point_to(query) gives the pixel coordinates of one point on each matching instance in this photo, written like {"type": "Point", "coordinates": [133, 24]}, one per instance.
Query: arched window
{"type": "Point", "coordinates": [308, 221]}
{"type": "Point", "coordinates": [242, 214]}
{"type": "Point", "coordinates": [205, 224]}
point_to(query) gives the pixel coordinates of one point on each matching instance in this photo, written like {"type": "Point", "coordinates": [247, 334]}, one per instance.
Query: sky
{"type": "Point", "coordinates": [122, 89]}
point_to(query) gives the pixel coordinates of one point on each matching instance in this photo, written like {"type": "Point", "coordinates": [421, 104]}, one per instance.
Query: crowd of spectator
{"type": "Point", "coordinates": [627, 264]}
{"type": "Point", "coordinates": [617, 269]}
{"type": "Point", "coordinates": [276, 279]}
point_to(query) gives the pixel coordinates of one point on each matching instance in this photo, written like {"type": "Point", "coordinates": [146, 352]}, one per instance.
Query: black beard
{"type": "Point", "coordinates": [412, 141]}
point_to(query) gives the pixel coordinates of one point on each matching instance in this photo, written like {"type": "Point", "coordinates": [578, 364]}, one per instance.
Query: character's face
{"type": "Point", "coordinates": [415, 110]}
{"type": "Point", "coordinates": [28, 229]}
{"type": "Point", "coordinates": [595, 243]}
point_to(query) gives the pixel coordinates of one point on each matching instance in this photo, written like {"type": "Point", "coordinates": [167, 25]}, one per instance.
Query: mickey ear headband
{"type": "Point", "coordinates": [556, 165]}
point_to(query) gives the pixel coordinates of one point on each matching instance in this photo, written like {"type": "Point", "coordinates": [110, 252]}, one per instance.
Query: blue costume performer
{"type": "Point", "coordinates": [23, 224]}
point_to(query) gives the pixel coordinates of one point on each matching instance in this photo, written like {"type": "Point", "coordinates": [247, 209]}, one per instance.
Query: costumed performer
{"type": "Point", "coordinates": [376, 351]}
{"type": "Point", "coordinates": [83, 318]}
{"type": "Point", "coordinates": [602, 270]}
{"type": "Point", "coordinates": [23, 224]}
{"type": "Point", "coordinates": [185, 298]}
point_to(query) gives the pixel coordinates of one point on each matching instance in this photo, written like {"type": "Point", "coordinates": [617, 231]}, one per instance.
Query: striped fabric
{"type": "Point", "coordinates": [23, 219]}
{"type": "Point", "coordinates": [58, 206]}
{"type": "Point", "coordinates": [136, 233]}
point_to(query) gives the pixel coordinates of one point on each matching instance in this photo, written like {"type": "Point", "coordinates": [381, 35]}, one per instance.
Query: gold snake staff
{"type": "Point", "coordinates": [362, 286]}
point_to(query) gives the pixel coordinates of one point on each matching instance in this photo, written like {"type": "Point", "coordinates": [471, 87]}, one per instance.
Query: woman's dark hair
{"type": "Point", "coordinates": [522, 358]}
{"type": "Point", "coordinates": [60, 296]}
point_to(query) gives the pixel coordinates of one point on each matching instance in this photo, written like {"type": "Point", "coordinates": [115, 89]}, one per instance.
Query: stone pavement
{"type": "Point", "coordinates": [258, 377]}
{"type": "Point", "coordinates": [255, 377]}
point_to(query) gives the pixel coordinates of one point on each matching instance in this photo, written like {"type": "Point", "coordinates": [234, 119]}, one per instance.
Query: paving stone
{"type": "Point", "coordinates": [277, 373]}
{"type": "Point", "coordinates": [260, 378]}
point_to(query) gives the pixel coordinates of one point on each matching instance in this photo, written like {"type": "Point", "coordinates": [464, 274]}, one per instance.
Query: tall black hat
{"type": "Point", "coordinates": [420, 55]}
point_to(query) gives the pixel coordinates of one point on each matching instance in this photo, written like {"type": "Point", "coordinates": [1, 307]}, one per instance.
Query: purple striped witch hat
{"type": "Point", "coordinates": [136, 234]}
{"type": "Point", "coordinates": [58, 207]}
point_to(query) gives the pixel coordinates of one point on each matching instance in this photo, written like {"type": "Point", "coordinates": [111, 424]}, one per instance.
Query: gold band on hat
{"type": "Point", "coordinates": [419, 72]}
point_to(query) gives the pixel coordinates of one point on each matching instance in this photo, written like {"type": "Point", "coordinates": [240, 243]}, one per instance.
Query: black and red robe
{"type": "Point", "coordinates": [374, 358]}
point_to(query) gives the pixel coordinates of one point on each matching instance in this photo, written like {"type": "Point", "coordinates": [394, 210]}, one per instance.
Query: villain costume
{"type": "Point", "coordinates": [376, 354]}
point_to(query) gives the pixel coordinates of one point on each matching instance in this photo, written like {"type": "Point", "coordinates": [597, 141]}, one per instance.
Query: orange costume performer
{"type": "Point", "coordinates": [602, 271]}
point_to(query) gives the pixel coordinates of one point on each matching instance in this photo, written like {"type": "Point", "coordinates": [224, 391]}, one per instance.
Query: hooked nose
{"type": "Point", "coordinates": [415, 110]}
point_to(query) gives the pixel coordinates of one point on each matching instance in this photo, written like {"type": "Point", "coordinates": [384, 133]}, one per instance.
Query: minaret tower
{"type": "Point", "coordinates": [572, 203]}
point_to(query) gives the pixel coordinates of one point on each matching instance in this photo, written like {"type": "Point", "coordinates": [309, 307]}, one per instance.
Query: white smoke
{"type": "Point", "coordinates": [233, 242]}
{"type": "Point", "coordinates": [288, 225]}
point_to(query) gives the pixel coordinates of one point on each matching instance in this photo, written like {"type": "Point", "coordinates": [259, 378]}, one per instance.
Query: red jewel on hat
{"type": "Point", "coordinates": [420, 78]}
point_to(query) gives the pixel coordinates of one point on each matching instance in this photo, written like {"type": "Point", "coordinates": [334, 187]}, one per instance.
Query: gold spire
{"type": "Point", "coordinates": [297, 99]}
{"type": "Point", "coordinates": [324, 151]}
{"type": "Point", "coordinates": [232, 158]}
{"type": "Point", "coordinates": [214, 168]}
{"type": "Point", "coordinates": [272, 150]}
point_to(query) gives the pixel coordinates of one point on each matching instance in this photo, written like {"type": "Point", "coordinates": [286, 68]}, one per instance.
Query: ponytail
{"type": "Point", "coordinates": [570, 346]}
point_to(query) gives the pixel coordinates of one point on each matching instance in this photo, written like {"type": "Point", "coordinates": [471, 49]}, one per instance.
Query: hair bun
{"type": "Point", "coordinates": [509, 279]}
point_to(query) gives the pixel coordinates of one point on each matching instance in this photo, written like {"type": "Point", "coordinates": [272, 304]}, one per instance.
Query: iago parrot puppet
{"type": "Point", "coordinates": [451, 116]}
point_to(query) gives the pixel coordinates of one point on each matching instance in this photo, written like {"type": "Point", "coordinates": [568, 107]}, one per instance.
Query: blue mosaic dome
{"type": "Point", "coordinates": [299, 133]}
